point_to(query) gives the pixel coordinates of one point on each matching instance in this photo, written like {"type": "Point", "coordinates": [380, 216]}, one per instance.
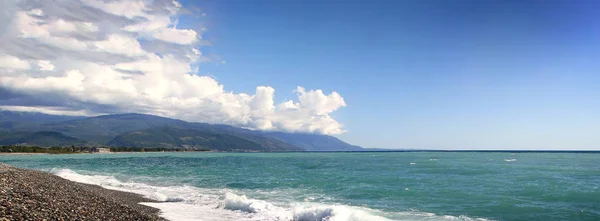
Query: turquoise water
{"type": "Point", "coordinates": [345, 186]}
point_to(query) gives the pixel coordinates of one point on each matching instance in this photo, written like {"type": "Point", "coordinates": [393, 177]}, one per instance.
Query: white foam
{"type": "Point", "coordinates": [334, 213]}
{"type": "Point", "coordinates": [510, 160]}
{"type": "Point", "coordinates": [298, 211]}
{"type": "Point", "coordinates": [157, 193]}
{"type": "Point", "coordinates": [176, 202]}
{"type": "Point", "coordinates": [186, 203]}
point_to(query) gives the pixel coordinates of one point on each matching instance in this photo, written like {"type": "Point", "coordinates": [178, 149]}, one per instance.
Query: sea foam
{"type": "Point", "coordinates": [187, 203]}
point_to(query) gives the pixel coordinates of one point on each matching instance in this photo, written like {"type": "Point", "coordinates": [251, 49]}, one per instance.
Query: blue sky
{"type": "Point", "coordinates": [423, 74]}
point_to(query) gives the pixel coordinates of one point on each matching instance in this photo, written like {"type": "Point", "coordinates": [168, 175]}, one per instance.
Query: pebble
{"type": "Point", "coordinates": [35, 195]}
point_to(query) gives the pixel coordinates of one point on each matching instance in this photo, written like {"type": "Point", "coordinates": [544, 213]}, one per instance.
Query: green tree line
{"type": "Point", "coordinates": [36, 149]}
{"type": "Point", "coordinates": [81, 149]}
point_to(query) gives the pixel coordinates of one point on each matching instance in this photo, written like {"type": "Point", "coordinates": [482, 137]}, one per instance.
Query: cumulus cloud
{"type": "Point", "coordinates": [11, 62]}
{"type": "Point", "coordinates": [92, 57]}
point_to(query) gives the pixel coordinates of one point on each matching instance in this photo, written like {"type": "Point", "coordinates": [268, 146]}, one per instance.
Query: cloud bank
{"type": "Point", "coordinates": [91, 56]}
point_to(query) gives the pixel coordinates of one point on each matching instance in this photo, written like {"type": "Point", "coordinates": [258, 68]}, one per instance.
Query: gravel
{"type": "Point", "coordinates": [35, 195]}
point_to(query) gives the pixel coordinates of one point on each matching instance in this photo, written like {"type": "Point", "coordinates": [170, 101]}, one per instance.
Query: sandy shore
{"type": "Point", "coordinates": [34, 195]}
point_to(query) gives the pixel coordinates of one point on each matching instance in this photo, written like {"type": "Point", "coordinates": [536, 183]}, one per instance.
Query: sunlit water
{"type": "Point", "coordinates": [345, 186]}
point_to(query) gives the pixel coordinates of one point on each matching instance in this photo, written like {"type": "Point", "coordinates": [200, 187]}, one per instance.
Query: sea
{"type": "Point", "coordinates": [344, 186]}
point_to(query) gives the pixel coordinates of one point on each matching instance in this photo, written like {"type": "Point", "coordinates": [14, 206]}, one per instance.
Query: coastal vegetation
{"type": "Point", "coordinates": [36, 149]}
{"type": "Point", "coordinates": [81, 149]}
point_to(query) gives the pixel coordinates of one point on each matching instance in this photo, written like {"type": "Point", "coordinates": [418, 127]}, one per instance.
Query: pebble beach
{"type": "Point", "coordinates": [35, 195]}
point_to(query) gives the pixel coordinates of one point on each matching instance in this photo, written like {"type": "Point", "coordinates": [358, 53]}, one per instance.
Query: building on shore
{"type": "Point", "coordinates": [99, 150]}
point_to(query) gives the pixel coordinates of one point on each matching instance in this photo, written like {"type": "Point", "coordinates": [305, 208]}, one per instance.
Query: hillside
{"type": "Point", "coordinates": [308, 142]}
{"type": "Point", "coordinates": [104, 128]}
{"type": "Point", "coordinates": [40, 138]}
{"type": "Point", "coordinates": [254, 136]}
{"type": "Point", "coordinates": [167, 137]}
{"type": "Point", "coordinates": [116, 130]}
{"type": "Point", "coordinates": [314, 142]}
{"type": "Point", "coordinates": [11, 120]}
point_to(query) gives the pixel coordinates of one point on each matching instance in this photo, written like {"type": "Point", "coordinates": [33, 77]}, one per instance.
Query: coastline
{"type": "Point", "coordinates": [35, 195]}
{"type": "Point", "coordinates": [20, 153]}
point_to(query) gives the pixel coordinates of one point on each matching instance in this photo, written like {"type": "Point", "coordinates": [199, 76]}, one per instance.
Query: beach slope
{"type": "Point", "coordinates": [35, 195]}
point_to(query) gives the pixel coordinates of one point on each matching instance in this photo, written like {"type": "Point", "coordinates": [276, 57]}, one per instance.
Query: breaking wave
{"type": "Point", "coordinates": [180, 203]}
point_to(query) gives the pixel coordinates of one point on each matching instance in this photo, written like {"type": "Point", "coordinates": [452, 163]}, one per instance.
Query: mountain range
{"type": "Point", "coordinates": [149, 131]}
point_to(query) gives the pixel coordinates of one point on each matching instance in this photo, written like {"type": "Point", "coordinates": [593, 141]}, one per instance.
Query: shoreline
{"type": "Point", "coordinates": [35, 195]}
{"type": "Point", "coordinates": [20, 153]}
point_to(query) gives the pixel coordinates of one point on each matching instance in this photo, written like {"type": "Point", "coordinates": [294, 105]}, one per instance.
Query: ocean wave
{"type": "Point", "coordinates": [334, 213]}
{"type": "Point", "coordinates": [183, 203]}
{"type": "Point", "coordinates": [161, 194]}
{"type": "Point", "coordinates": [299, 211]}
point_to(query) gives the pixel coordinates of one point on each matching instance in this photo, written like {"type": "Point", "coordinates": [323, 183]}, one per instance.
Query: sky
{"type": "Point", "coordinates": [379, 74]}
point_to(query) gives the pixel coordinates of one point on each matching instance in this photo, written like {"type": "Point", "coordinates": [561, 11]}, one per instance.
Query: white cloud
{"type": "Point", "coordinates": [129, 9]}
{"type": "Point", "coordinates": [47, 110]}
{"type": "Point", "coordinates": [120, 44]}
{"type": "Point", "coordinates": [45, 65]}
{"type": "Point", "coordinates": [163, 27]}
{"type": "Point", "coordinates": [45, 31]}
{"type": "Point", "coordinates": [98, 65]}
{"type": "Point", "coordinates": [179, 36]}
{"type": "Point", "coordinates": [9, 62]}
{"type": "Point", "coordinates": [320, 103]}
{"type": "Point", "coordinates": [37, 12]}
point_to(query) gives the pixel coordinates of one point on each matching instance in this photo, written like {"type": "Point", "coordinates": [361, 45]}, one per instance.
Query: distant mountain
{"type": "Point", "coordinates": [314, 142]}
{"type": "Point", "coordinates": [40, 138]}
{"type": "Point", "coordinates": [168, 137]}
{"type": "Point", "coordinates": [255, 136]}
{"type": "Point", "coordinates": [264, 139]}
{"type": "Point", "coordinates": [121, 129]}
{"type": "Point", "coordinates": [13, 120]}
{"type": "Point", "coordinates": [103, 129]}
{"type": "Point", "coordinates": [308, 142]}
